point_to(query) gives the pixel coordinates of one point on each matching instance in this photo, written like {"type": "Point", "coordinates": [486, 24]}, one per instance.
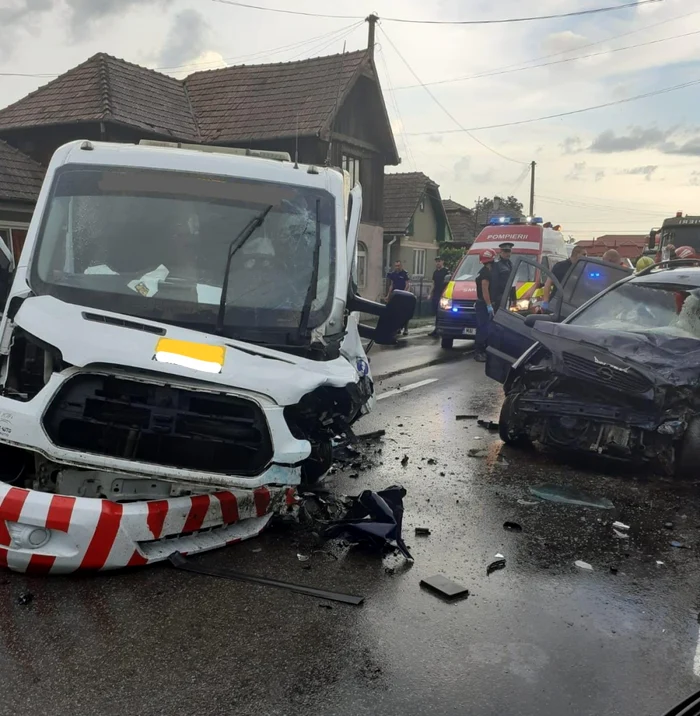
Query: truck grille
{"type": "Point", "coordinates": [159, 424]}
{"type": "Point", "coordinates": [462, 305]}
{"type": "Point", "coordinates": [629, 382]}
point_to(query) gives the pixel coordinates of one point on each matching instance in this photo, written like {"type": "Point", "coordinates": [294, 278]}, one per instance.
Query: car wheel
{"type": "Point", "coordinates": [508, 429]}
{"type": "Point", "coordinates": [317, 464]}
{"type": "Point", "coordinates": [447, 343]}
{"type": "Point", "coordinates": [688, 455]}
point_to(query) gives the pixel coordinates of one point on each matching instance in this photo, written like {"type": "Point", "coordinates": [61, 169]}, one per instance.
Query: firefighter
{"type": "Point", "coordinates": [501, 273]}
{"type": "Point", "coordinates": [643, 263]}
{"type": "Point", "coordinates": [685, 252]}
{"type": "Point", "coordinates": [484, 307]}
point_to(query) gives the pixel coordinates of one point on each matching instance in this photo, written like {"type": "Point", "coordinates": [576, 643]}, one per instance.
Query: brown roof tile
{"type": "Point", "coordinates": [104, 88]}
{"type": "Point", "coordinates": [461, 220]}
{"type": "Point", "coordinates": [402, 193]}
{"type": "Point", "coordinates": [20, 176]}
{"type": "Point", "coordinates": [257, 102]}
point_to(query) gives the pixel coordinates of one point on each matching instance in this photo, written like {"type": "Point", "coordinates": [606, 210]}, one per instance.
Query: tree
{"type": "Point", "coordinates": [451, 255]}
{"type": "Point", "coordinates": [498, 206]}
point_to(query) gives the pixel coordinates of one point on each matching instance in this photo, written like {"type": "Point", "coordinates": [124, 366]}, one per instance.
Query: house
{"type": "Point", "coordinates": [462, 223]}
{"type": "Point", "coordinates": [20, 182]}
{"type": "Point", "coordinates": [326, 110]}
{"type": "Point", "coordinates": [629, 246]}
{"type": "Point", "coordinates": [415, 223]}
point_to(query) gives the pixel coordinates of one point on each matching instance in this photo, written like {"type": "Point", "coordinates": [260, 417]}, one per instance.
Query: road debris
{"type": "Point", "coordinates": [583, 565]}
{"type": "Point", "coordinates": [476, 452]}
{"type": "Point", "coordinates": [373, 518]}
{"type": "Point", "coordinates": [614, 570]}
{"type": "Point", "coordinates": [620, 535]}
{"type": "Point", "coordinates": [375, 435]}
{"type": "Point", "coordinates": [512, 527]}
{"type": "Point", "coordinates": [528, 503]}
{"type": "Point", "coordinates": [620, 526]}
{"type": "Point", "coordinates": [303, 557]}
{"type": "Point", "coordinates": [466, 417]}
{"type": "Point", "coordinates": [496, 565]}
{"type": "Point", "coordinates": [444, 587]}
{"type": "Point", "coordinates": [659, 562]}
{"type": "Point", "coordinates": [570, 496]}
{"type": "Point", "coordinates": [404, 461]}
{"type": "Point", "coordinates": [679, 545]}
{"type": "Point", "coordinates": [422, 532]}
{"type": "Point", "coordinates": [488, 424]}
{"type": "Point", "coordinates": [25, 599]}
{"type": "Point", "coordinates": [180, 562]}
{"type": "Point", "coordinates": [668, 525]}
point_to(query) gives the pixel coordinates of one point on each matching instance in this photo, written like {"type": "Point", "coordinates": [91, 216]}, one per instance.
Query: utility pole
{"type": "Point", "coordinates": [532, 188]}
{"type": "Point", "coordinates": [372, 20]}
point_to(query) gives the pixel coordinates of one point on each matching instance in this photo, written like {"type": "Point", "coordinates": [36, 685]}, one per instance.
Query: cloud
{"type": "Point", "coordinates": [645, 171]}
{"type": "Point", "coordinates": [186, 39]}
{"type": "Point", "coordinates": [608, 142]}
{"type": "Point", "coordinates": [600, 175]}
{"type": "Point", "coordinates": [21, 15]}
{"type": "Point", "coordinates": [571, 145]}
{"type": "Point", "coordinates": [557, 42]}
{"type": "Point", "coordinates": [435, 138]}
{"type": "Point", "coordinates": [576, 172]}
{"type": "Point", "coordinates": [694, 178]}
{"type": "Point", "coordinates": [461, 168]}
{"type": "Point", "coordinates": [690, 148]}
{"type": "Point", "coordinates": [483, 177]}
{"type": "Point", "coordinates": [84, 13]}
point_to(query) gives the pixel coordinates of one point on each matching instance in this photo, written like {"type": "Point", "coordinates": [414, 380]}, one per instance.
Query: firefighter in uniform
{"type": "Point", "coordinates": [501, 272]}
{"type": "Point", "coordinates": [483, 307]}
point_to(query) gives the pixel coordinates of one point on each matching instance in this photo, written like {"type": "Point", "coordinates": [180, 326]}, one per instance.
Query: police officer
{"type": "Point", "coordinates": [501, 272]}
{"type": "Point", "coordinates": [483, 306]}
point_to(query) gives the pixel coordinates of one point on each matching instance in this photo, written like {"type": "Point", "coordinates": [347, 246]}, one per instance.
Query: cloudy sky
{"type": "Point", "coordinates": [617, 169]}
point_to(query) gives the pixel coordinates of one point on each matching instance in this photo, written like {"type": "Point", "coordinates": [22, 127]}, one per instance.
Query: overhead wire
{"type": "Point", "coordinates": [493, 73]}
{"type": "Point", "coordinates": [313, 51]}
{"type": "Point", "coordinates": [443, 108]}
{"type": "Point", "coordinates": [575, 13]}
{"type": "Point", "coordinates": [654, 93]}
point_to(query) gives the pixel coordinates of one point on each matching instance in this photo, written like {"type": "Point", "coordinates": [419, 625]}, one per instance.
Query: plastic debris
{"type": "Point", "coordinates": [613, 570]}
{"type": "Point", "coordinates": [620, 526]}
{"type": "Point", "coordinates": [179, 561]}
{"type": "Point", "coordinates": [422, 531]}
{"type": "Point", "coordinates": [444, 587]}
{"type": "Point", "coordinates": [668, 525]}
{"type": "Point", "coordinates": [583, 565]}
{"type": "Point", "coordinates": [495, 566]}
{"type": "Point", "coordinates": [476, 452]}
{"type": "Point", "coordinates": [679, 545]}
{"type": "Point", "coordinates": [375, 435]}
{"type": "Point", "coordinates": [659, 562]}
{"type": "Point", "coordinates": [404, 460]}
{"type": "Point", "coordinates": [570, 496]}
{"type": "Point", "coordinates": [466, 417]}
{"type": "Point", "coordinates": [303, 557]}
{"type": "Point", "coordinates": [620, 535]}
{"type": "Point", "coordinates": [488, 424]}
{"type": "Point", "coordinates": [512, 527]}
{"type": "Point", "coordinates": [499, 556]}
{"type": "Point", "coordinates": [373, 518]}
{"type": "Point", "coordinates": [432, 461]}
{"type": "Point", "coordinates": [25, 599]}
{"type": "Point", "coordinates": [528, 503]}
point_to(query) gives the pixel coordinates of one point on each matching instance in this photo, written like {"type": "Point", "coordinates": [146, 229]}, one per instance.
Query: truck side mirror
{"type": "Point", "coordinates": [447, 279]}
{"type": "Point", "coordinates": [392, 316]}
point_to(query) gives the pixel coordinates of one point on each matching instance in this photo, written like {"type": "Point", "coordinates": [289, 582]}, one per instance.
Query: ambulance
{"type": "Point", "coordinates": [456, 316]}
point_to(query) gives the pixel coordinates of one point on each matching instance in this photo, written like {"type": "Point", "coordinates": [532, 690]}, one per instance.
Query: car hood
{"type": "Point", "coordinates": [281, 377]}
{"type": "Point", "coordinates": [671, 359]}
{"type": "Point", "coordinates": [464, 291]}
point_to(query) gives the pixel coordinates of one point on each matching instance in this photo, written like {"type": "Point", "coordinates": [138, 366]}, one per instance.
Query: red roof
{"type": "Point", "coordinates": [629, 246]}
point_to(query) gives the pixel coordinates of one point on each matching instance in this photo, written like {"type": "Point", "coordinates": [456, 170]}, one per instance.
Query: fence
{"type": "Point", "coordinates": [421, 287]}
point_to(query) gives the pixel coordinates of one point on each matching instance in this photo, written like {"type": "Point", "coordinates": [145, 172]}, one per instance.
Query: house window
{"type": "Point", "coordinates": [14, 236]}
{"type": "Point", "coordinates": [352, 167]}
{"type": "Point", "coordinates": [361, 265]}
{"type": "Point", "coordinates": [419, 262]}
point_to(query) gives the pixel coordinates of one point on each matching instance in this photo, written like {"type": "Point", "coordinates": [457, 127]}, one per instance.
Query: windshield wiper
{"type": "Point", "coordinates": [313, 288]}
{"type": "Point", "coordinates": [236, 244]}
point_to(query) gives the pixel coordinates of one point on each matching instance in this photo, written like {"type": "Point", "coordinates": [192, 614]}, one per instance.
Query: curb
{"type": "Point", "coordinates": [448, 357]}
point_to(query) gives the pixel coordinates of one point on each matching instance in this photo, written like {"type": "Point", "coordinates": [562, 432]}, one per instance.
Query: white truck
{"type": "Point", "coordinates": [180, 344]}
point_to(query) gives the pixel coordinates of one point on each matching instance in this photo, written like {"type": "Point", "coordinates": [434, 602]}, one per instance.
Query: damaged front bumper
{"type": "Point", "coordinates": [58, 534]}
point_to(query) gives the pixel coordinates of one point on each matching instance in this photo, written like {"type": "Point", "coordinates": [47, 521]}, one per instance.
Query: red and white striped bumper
{"type": "Point", "coordinates": [56, 534]}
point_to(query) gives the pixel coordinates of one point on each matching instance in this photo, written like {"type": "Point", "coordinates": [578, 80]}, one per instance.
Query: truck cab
{"type": "Point", "coordinates": [182, 328]}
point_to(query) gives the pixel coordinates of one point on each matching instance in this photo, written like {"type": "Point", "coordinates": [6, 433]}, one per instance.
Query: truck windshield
{"type": "Point", "coordinates": [154, 244]}
{"type": "Point", "coordinates": [659, 309]}
{"type": "Point", "coordinates": [471, 266]}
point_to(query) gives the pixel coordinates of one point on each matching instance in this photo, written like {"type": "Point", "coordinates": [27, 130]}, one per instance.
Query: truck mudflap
{"type": "Point", "coordinates": [57, 534]}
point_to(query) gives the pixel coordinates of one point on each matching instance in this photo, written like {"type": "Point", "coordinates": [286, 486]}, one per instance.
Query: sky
{"type": "Point", "coordinates": [617, 169]}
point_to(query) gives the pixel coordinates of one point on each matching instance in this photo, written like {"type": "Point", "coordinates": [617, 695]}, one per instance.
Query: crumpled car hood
{"type": "Point", "coordinates": [674, 360]}
{"type": "Point", "coordinates": [282, 377]}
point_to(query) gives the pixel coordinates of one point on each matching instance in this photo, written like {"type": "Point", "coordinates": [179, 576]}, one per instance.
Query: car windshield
{"type": "Point", "coordinates": [659, 309]}
{"type": "Point", "coordinates": [154, 244]}
{"type": "Point", "coordinates": [471, 265]}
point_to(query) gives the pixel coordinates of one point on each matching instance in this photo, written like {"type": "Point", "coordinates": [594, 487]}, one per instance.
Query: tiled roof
{"type": "Point", "coordinates": [20, 176]}
{"type": "Point", "coordinates": [461, 220]}
{"type": "Point", "coordinates": [402, 194]}
{"type": "Point", "coordinates": [107, 88]}
{"type": "Point", "coordinates": [257, 102]}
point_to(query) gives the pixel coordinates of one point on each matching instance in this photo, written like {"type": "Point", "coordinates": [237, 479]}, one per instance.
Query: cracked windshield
{"type": "Point", "coordinates": [349, 358]}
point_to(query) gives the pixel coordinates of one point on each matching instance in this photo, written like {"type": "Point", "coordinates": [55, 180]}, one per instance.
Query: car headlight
{"type": "Point", "coordinates": [446, 304]}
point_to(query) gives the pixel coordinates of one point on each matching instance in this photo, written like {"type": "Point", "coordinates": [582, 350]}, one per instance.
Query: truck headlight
{"type": "Point", "coordinates": [446, 304]}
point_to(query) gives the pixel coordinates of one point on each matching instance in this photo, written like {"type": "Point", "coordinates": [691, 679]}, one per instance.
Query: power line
{"type": "Point", "coordinates": [593, 11]}
{"type": "Point", "coordinates": [493, 73]}
{"type": "Point", "coordinates": [664, 90]}
{"type": "Point", "coordinates": [444, 109]}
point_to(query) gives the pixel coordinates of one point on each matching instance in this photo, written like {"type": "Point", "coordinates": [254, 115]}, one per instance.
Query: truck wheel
{"type": "Point", "coordinates": [447, 343]}
{"type": "Point", "coordinates": [317, 464]}
{"type": "Point", "coordinates": [507, 424]}
{"type": "Point", "coordinates": [688, 455]}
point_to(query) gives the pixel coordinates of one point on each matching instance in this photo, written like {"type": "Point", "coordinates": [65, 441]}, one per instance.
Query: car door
{"type": "Point", "coordinates": [509, 337]}
{"type": "Point", "coordinates": [585, 279]}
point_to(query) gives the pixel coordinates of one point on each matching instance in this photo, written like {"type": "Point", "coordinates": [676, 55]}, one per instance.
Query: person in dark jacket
{"type": "Point", "coordinates": [483, 306]}
{"type": "Point", "coordinates": [439, 275]}
{"type": "Point", "coordinates": [501, 272]}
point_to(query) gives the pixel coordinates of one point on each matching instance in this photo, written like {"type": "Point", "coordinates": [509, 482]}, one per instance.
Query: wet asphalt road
{"type": "Point", "coordinates": [540, 637]}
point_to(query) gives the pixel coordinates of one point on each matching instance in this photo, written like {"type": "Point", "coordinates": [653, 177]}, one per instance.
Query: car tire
{"type": "Point", "coordinates": [507, 430]}
{"type": "Point", "coordinates": [317, 464]}
{"type": "Point", "coordinates": [447, 343]}
{"type": "Point", "coordinates": [688, 455]}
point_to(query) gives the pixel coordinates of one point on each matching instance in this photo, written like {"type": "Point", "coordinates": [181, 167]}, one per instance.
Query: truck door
{"type": "Point", "coordinates": [585, 279]}
{"type": "Point", "coordinates": [509, 337]}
